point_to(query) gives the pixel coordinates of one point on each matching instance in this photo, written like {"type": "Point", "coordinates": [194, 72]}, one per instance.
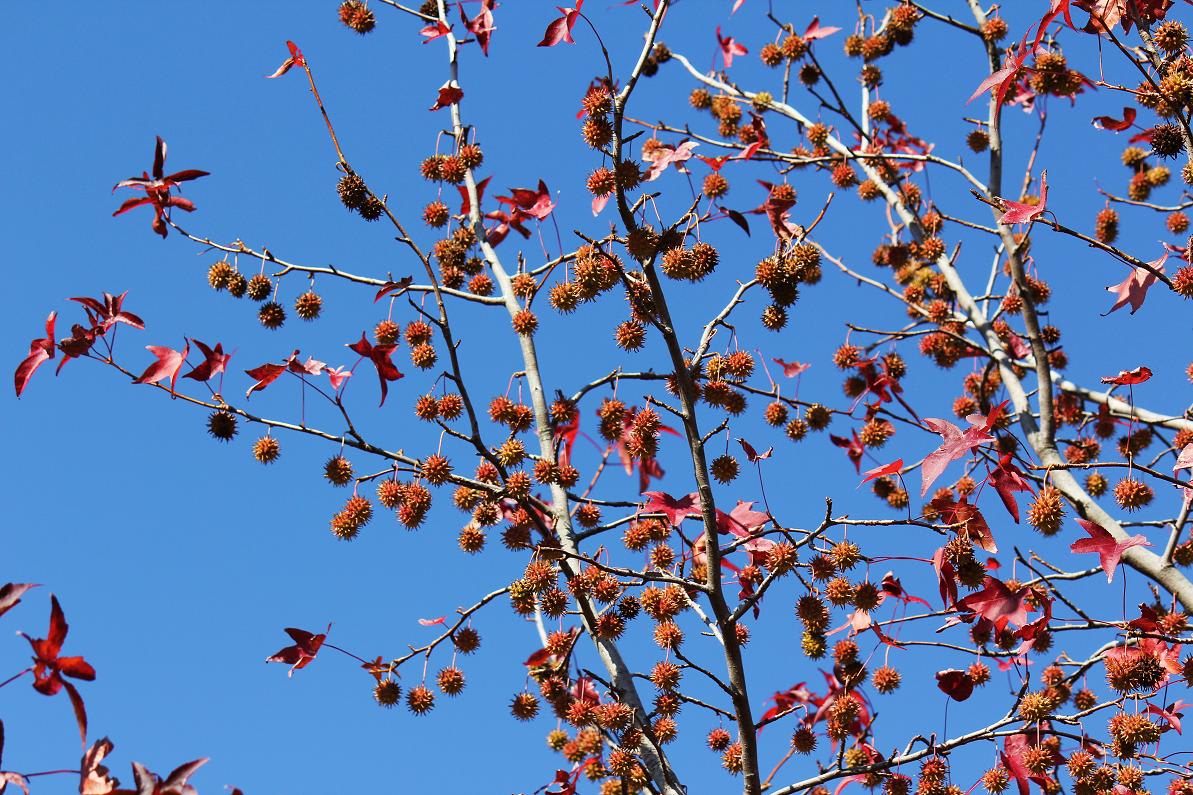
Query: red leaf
{"type": "Point", "coordinates": [972, 524]}
{"type": "Point", "coordinates": [854, 449]}
{"type": "Point", "coordinates": [753, 455]}
{"type": "Point", "coordinates": [40, 351]}
{"type": "Point", "coordinates": [1108, 549]}
{"type": "Point", "coordinates": [886, 469]}
{"type": "Point", "coordinates": [379, 355]}
{"type": "Point", "coordinates": [169, 362]}
{"type": "Point", "coordinates": [1116, 125]}
{"type": "Point", "coordinates": [215, 361]}
{"type": "Point", "coordinates": [675, 510]}
{"type": "Point", "coordinates": [1022, 213]}
{"type": "Point", "coordinates": [10, 596]}
{"type": "Point", "coordinates": [295, 59]}
{"type": "Point", "coordinates": [449, 94]}
{"type": "Point", "coordinates": [729, 48]}
{"type": "Point", "coordinates": [397, 287]}
{"type": "Point", "coordinates": [1172, 714]}
{"type": "Point", "coordinates": [1007, 479]}
{"type": "Point", "coordinates": [1129, 377]}
{"type": "Point", "coordinates": [304, 650]}
{"type": "Point", "coordinates": [266, 374]}
{"type": "Point", "coordinates": [997, 603]}
{"type": "Point", "coordinates": [1133, 289]}
{"type": "Point", "coordinates": [432, 622]}
{"type": "Point", "coordinates": [1003, 79]}
{"type": "Point", "coordinates": [957, 685]}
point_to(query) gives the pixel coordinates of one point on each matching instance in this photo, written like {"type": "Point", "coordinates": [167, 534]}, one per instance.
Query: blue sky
{"type": "Point", "coordinates": [179, 560]}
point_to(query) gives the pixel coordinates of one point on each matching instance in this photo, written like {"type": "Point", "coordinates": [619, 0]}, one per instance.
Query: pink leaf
{"type": "Point", "coordinates": [1022, 213]}
{"type": "Point", "coordinates": [432, 622]}
{"type": "Point", "coordinates": [561, 29]}
{"type": "Point", "coordinates": [791, 369]}
{"type": "Point", "coordinates": [1133, 289]}
{"type": "Point", "coordinates": [814, 31]}
{"type": "Point", "coordinates": [338, 376]}
{"type": "Point", "coordinates": [729, 48]}
{"type": "Point", "coordinates": [435, 31]}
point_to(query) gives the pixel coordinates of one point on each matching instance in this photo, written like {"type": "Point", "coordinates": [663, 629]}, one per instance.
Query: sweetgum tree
{"type": "Point", "coordinates": [1003, 490]}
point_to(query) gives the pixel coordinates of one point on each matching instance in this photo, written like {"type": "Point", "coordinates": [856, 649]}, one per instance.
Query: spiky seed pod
{"type": "Point", "coordinates": [602, 182]}
{"type": "Point", "coordinates": [525, 322]}
{"type": "Point", "coordinates": [452, 170]}
{"type": "Point", "coordinates": [353, 191]}
{"type": "Point", "coordinates": [423, 356]}
{"type": "Point", "coordinates": [259, 287]}
{"type": "Point", "coordinates": [1167, 140]}
{"type": "Point", "coordinates": [715, 185]}
{"type": "Point", "coordinates": [724, 468]}
{"type": "Point", "coordinates": [436, 215]}
{"type": "Point", "coordinates": [1171, 36]}
{"type": "Point", "coordinates": [588, 515]}
{"type": "Point", "coordinates": [887, 679]}
{"type": "Point", "coordinates": [466, 640]}
{"type": "Point", "coordinates": [420, 699]}
{"type": "Point", "coordinates": [978, 141]}
{"type": "Point", "coordinates": [471, 539]}
{"type": "Point", "coordinates": [386, 332]}
{"type": "Point", "coordinates": [355, 514]}
{"type": "Point", "coordinates": [525, 706]}
{"type": "Point", "coordinates": [372, 209]}
{"type": "Point", "coordinates": [436, 470]}
{"type": "Point", "coordinates": [471, 155]}
{"type": "Point", "coordinates": [450, 681]}
{"type": "Point", "coordinates": [1047, 511]}
{"type": "Point", "coordinates": [272, 315]}
{"type": "Point", "coordinates": [357, 16]}
{"type": "Point", "coordinates": [796, 429]}
{"type": "Point", "coordinates": [387, 692]}
{"type": "Point", "coordinates": [629, 174]}
{"type": "Point", "coordinates": [1182, 282]}
{"type": "Point", "coordinates": [266, 449]}
{"type": "Point", "coordinates": [775, 414]}
{"type": "Point", "coordinates": [813, 645]}
{"type": "Point", "coordinates": [338, 471]}
{"type": "Point", "coordinates": [390, 493]}
{"type": "Point", "coordinates": [718, 739]}
{"type": "Point", "coordinates": [220, 275]}
{"type": "Point", "coordinates": [596, 131]}
{"type": "Point", "coordinates": [876, 432]}
{"type": "Point", "coordinates": [1131, 494]}
{"type": "Point", "coordinates": [222, 425]}
{"type": "Point", "coordinates": [630, 335]}
{"type": "Point", "coordinates": [994, 29]}
{"type": "Point", "coordinates": [308, 305]}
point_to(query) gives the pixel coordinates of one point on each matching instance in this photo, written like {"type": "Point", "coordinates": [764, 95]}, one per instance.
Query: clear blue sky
{"type": "Point", "coordinates": [179, 560]}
